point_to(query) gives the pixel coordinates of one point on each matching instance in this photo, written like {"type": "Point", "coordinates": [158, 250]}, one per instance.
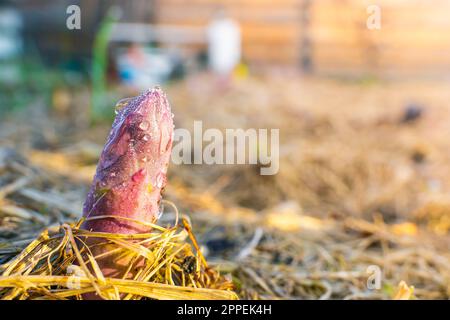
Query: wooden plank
{"type": "Point", "coordinates": [259, 3]}
{"type": "Point", "coordinates": [408, 15]}
{"type": "Point", "coordinates": [167, 14]}
{"type": "Point", "coordinates": [422, 38]}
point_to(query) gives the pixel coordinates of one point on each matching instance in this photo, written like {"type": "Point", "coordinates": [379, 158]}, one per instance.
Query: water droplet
{"type": "Point", "coordinates": [113, 174]}
{"type": "Point", "coordinates": [146, 137]}
{"type": "Point", "coordinates": [121, 104]}
{"type": "Point", "coordinates": [144, 159]}
{"type": "Point", "coordinates": [144, 125]}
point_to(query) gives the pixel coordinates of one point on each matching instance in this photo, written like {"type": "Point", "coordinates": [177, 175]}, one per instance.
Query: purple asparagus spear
{"type": "Point", "coordinates": [131, 172]}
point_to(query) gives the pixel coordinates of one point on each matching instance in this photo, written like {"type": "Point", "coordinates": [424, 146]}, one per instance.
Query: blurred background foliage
{"type": "Point", "coordinates": [135, 44]}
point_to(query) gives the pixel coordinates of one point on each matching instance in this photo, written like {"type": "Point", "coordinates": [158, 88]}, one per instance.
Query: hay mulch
{"type": "Point", "coordinates": [277, 253]}
{"type": "Point", "coordinates": [59, 265]}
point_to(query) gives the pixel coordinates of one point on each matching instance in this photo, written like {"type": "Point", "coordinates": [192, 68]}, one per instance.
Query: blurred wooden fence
{"type": "Point", "coordinates": [270, 29]}
{"type": "Point", "coordinates": [331, 36]}
{"type": "Point", "coordinates": [414, 39]}
{"type": "Point", "coordinates": [320, 36]}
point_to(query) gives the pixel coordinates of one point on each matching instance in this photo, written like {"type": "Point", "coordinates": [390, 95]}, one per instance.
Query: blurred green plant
{"type": "Point", "coordinates": [27, 82]}
{"type": "Point", "coordinates": [100, 100]}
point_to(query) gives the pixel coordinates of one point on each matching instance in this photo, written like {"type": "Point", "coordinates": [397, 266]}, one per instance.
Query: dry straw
{"type": "Point", "coordinates": [59, 265]}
